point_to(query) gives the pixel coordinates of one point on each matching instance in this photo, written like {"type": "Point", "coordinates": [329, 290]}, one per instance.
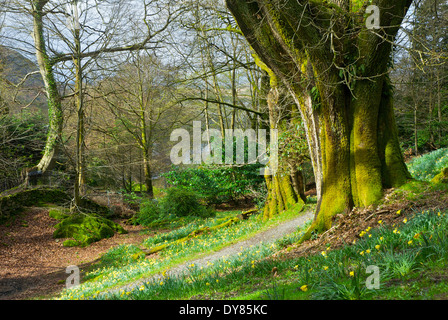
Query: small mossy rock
{"type": "Point", "coordinates": [57, 214]}
{"type": "Point", "coordinates": [86, 229]}
{"type": "Point", "coordinates": [442, 177]}
{"type": "Point", "coordinates": [70, 243]}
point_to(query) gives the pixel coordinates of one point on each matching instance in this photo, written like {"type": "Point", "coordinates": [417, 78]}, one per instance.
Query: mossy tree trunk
{"type": "Point", "coordinates": [282, 188]}
{"type": "Point", "coordinates": [53, 97]}
{"type": "Point", "coordinates": [336, 69]}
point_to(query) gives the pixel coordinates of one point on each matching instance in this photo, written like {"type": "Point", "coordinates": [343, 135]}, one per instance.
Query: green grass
{"type": "Point", "coordinates": [123, 264]}
{"type": "Point", "coordinates": [427, 166]}
{"type": "Point", "coordinates": [409, 256]}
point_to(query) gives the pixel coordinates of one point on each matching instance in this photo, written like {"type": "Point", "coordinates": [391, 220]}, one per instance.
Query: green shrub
{"type": "Point", "coordinates": [178, 202]}
{"type": "Point", "coordinates": [149, 213]}
{"type": "Point", "coordinates": [182, 202]}
{"type": "Point", "coordinates": [219, 184]}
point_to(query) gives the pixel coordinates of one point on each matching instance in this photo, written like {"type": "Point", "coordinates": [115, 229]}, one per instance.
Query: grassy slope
{"type": "Point", "coordinates": [124, 265]}
{"type": "Point", "coordinates": [409, 248]}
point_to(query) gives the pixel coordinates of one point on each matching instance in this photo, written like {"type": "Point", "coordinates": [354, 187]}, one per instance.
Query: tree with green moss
{"type": "Point", "coordinates": [333, 57]}
{"type": "Point", "coordinates": [285, 187]}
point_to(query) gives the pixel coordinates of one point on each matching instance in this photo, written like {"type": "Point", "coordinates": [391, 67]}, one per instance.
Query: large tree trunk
{"type": "Point", "coordinates": [336, 70]}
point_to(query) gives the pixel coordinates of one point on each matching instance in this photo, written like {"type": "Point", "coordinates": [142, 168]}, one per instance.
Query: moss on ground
{"type": "Point", "coordinates": [14, 203]}
{"type": "Point", "coordinates": [442, 177]}
{"type": "Point", "coordinates": [82, 230]}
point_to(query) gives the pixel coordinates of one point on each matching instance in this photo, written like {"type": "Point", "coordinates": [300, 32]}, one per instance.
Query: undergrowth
{"type": "Point", "coordinates": [405, 260]}
{"type": "Point", "coordinates": [427, 166]}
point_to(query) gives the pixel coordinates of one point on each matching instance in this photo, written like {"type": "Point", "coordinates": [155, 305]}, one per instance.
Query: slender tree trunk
{"type": "Point", "coordinates": [281, 192]}
{"type": "Point", "coordinates": [439, 107]}
{"type": "Point", "coordinates": [80, 130]}
{"type": "Point", "coordinates": [51, 150]}
{"type": "Point", "coordinates": [416, 129]}
{"type": "Point", "coordinates": [148, 174]}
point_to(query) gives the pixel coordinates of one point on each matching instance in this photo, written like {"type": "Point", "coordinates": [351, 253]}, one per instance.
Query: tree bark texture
{"type": "Point", "coordinates": [283, 186]}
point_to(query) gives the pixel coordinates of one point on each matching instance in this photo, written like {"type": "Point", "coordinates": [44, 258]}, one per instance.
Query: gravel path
{"type": "Point", "coordinates": [266, 237]}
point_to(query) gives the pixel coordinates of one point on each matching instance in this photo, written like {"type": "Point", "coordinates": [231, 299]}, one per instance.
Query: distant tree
{"type": "Point", "coordinates": [420, 75]}
{"type": "Point", "coordinates": [74, 42]}
{"type": "Point", "coordinates": [140, 97]}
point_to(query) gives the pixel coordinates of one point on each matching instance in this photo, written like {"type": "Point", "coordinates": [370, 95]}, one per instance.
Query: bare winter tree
{"type": "Point", "coordinates": [71, 38]}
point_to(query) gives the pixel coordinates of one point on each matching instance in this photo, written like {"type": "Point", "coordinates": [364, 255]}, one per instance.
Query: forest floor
{"type": "Point", "coordinates": [33, 263]}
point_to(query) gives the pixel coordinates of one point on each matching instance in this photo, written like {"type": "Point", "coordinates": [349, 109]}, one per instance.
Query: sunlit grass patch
{"type": "Point", "coordinates": [124, 264]}
{"type": "Point", "coordinates": [426, 167]}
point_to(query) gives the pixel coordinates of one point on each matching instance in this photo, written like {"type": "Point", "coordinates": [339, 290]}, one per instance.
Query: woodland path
{"type": "Point", "coordinates": [266, 237]}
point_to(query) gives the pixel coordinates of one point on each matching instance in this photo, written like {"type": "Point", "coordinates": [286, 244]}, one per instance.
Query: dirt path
{"type": "Point", "coordinates": [266, 237]}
